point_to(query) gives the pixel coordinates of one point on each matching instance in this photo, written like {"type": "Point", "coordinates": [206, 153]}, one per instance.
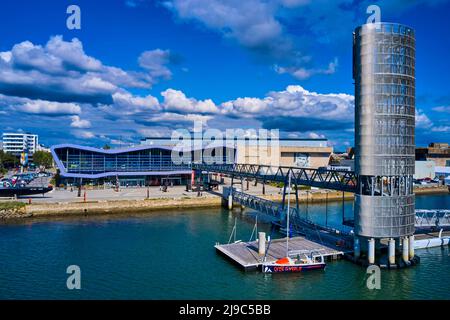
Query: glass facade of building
{"type": "Point", "coordinates": [87, 162]}
{"type": "Point", "coordinates": [141, 165]}
{"type": "Point", "coordinates": [384, 73]}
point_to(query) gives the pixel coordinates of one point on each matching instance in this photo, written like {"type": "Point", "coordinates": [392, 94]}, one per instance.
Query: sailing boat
{"type": "Point", "coordinates": [298, 260]}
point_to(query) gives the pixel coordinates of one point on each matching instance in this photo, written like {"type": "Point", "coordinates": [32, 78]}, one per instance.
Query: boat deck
{"type": "Point", "coordinates": [245, 254]}
{"type": "Point", "coordinates": [431, 235]}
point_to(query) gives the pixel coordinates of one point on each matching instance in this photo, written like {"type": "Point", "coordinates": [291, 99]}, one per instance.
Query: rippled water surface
{"type": "Point", "coordinates": [170, 255]}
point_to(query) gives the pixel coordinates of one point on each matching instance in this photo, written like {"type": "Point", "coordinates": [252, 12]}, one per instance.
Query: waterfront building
{"type": "Point", "coordinates": [348, 164]}
{"type": "Point", "coordinates": [312, 153]}
{"type": "Point", "coordinates": [43, 148]}
{"type": "Point", "coordinates": [133, 166]}
{"type": "Point", "coordinates": [151, 162]}
{"type": "Point", "coordinates": [443, 173]}
{"type": "Point", "coordinates": [16, 143]}
{"type": "Point", "coordinates": [425, 170]}
{"type": "Point", "coordinates": [384, 74]}
{"type": "Point", "coordinates": [437, 152]}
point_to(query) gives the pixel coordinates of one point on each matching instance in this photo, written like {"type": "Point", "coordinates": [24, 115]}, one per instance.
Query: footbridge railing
{"type": "Point", "coordinates": [432, 218]}
{"type": "Point", "coordinates": [275, 210]}
{"type": "Point", "coordinates": [424, 219]}
{"type": "Point", "coordinates": [341, 180]}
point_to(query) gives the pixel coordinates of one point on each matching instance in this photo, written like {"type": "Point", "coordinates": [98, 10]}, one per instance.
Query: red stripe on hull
{"type": "Point", "coordinates": [291, 269]}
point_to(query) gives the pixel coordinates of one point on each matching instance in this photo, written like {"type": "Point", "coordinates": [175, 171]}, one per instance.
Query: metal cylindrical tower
{"type": "Point", "coordinates": [384, 74]}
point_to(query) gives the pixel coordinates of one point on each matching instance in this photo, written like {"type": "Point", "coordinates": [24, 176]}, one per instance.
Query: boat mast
{"type": "Point", "coordinates": [287, 214]}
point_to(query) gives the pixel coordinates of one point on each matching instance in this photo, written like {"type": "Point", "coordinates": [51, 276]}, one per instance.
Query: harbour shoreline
{"type": "Point", "coordinates": [145, 205]}
{"type": "Point", "coordinates": [100, 207]}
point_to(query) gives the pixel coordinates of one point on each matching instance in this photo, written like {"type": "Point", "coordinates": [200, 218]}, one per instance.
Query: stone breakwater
{"type": "Point", "coordinates": [118, 206]}
{"type": "Point", "coordinates": [16, 212]}
{"type": "Point", "coordinates": [432, 189]}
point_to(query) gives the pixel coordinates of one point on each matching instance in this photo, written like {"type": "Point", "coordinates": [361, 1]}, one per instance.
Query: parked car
{"type": "Point", "coordinates": [44, 174]}
{"type": "Point", "coordinates": [6, 183]}
{"type": "Point", "coordinates": [21, 183]}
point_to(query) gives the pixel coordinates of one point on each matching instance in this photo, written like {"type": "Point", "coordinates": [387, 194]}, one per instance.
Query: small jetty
{"type": "Point", "coordinates": [245, 254]}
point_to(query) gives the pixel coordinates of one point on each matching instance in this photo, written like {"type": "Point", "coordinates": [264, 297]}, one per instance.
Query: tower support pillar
{"type": "Point", "coordinates": [405, 249]}
{"type": "Point", "coordinates": [411, 247]}
{"type": "Point", "coordinates": [391, 251]}
{"type": "Point", "coordinates": [371, 250]}
{"type": "Point", "coordinates": [356, 247]}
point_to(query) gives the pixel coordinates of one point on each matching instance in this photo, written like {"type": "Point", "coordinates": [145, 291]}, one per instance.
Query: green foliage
{"type": "Point", "coordinates": [281, 185]}
{"type": "Point", "coordinates": [11, 205]}
{"type": "Point", "coordinates": [56, 178]}
{"type": "Point", "coordinates": [106, 147]}
{"type": "Point", "coordinates": [42, 158]}
{"type": "Point", "coordinates": [7, 161]}
{"type": "Point", "coordinates": [275, 184]}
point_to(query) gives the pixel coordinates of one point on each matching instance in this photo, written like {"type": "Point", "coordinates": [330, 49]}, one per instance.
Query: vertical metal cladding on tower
{"type": "Point", "coordinates": [384, 74]}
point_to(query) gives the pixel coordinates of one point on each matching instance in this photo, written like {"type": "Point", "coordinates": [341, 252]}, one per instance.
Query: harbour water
{"type": "Point", "coordinates": [170, 255]}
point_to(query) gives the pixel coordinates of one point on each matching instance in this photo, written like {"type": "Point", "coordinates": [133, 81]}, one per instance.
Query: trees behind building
{"type": "Point", "coordinates": [43, 159]}
{"type": "Point", "coordinates": [7, 161]}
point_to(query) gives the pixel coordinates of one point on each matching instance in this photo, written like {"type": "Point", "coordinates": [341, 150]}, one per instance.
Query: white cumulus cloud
{"type": "Point", "coordinates": [294, 102]}
{"type": "Point", "coordinates": [83, 134]}
{"type": "Point", "coordinates": [422, 120]}
{"type": "Point", "coordinates": [156, 62]}
{"type": "Point", "coordinates": [61, 71]}
{"type": "Point", "coordinates": [445, 109]}
{"type": "Point", "coordinates": [49, 108]}
{"type": "Point", "coordinates": [175, 100]}
{"type": "Point", "coordinates": [79, 123]}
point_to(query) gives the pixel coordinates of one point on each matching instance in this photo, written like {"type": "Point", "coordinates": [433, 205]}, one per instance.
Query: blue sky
{"type": "Point", "coordinates": [143, 68]}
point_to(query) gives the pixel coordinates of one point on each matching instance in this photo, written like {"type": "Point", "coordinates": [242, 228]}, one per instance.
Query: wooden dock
{"type": "Point", "coordinates": [245, 254]}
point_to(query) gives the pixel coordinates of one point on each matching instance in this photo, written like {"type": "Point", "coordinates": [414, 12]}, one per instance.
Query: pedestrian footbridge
{"type": "Point", "coordinates": [425, 219]}
{"type": "Point", "coordinates": [341, 180]}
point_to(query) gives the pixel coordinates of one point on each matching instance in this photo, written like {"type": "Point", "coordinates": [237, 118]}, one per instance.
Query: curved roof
{"type": "Point", "coordinates": [111, 151]}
